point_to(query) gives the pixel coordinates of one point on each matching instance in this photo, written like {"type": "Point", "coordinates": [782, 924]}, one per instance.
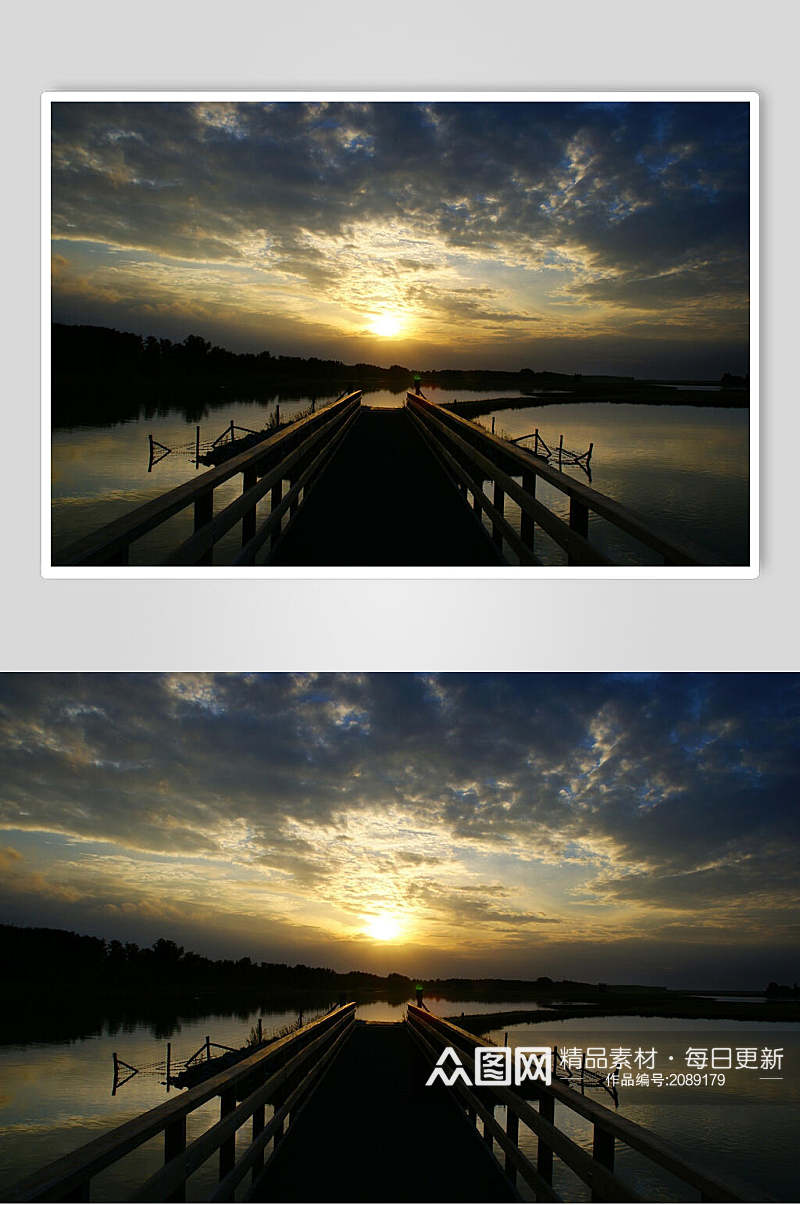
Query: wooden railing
{"type": "Point", "coordinates": [295, 456]}
{"type": "Point", "coordinates": [433, 1034]}
{"type": "Point", "coordinates": [472, 456]}
{"type": "Point", "coordinates": [282, 1075]}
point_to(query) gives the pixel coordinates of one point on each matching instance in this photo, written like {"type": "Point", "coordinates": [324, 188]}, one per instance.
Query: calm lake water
{"type": "Point", "coordinates": [57, 1096]}
{"type": "Point", "coordinates": [746, 1129]}
{"type": "Point", "coordinates": [685, 468]}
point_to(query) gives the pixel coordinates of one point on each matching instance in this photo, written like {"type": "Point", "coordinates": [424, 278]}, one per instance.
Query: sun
{"type": "Point", "coordinates": [383, 927]}
{"type": "Point", "coordinates": [386, 325]}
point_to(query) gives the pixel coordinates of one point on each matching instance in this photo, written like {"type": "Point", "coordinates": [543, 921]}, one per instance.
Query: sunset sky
{"type": "Point", "coordinates": [577, 237]}
{"type": "Point", "coordinates": [608, 827]}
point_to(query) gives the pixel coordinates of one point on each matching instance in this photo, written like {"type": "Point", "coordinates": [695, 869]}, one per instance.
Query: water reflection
{"type": "Point", "coordinates": [684, 468]}
{"type": "Point", "coordinates": [56, 1095]}
{"type": "Point", "coordinates": [743, 1130]}
{"type": "Point", "coordinates": [100, 473]}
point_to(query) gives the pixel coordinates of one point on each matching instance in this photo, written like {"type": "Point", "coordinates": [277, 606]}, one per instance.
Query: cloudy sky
{"type": "Point", "coordinates": [573, 237]}
{"type": "Point", "coordinates": [625, 828]}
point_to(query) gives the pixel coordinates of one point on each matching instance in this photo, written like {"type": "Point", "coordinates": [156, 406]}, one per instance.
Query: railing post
{"type": "Point", "coordinates": [544, 1153]}
{"type": "Point", "coordinates": [249, 479]}
{"type": "Point", "coordinates": [512, 1130]}
{"type": "Point", "coordinates": [477, 491]}
{"type": "Point", "coordinates": [175, 1144]}
{"type": "Point", "coordinates": [526, 523]}
{"type": "Point", "coordinates": [258, 1126]}
{"type": "Point", "coordinates": [274, 502]}
{"type": "Point", "coordinates": [227, 1150]}
{"type": "Point", "coordinates": [281, 1126]}
{"type": "Point", "coordinates": [603, 1153]}
{"type": "Point", "coordinates": [204, 513]}
{"type": "Point", "coordinates": [578, 522]}
{"type": "Point", "coordinates": [487, 1133]}
{"type": "Point", "coordinates": [499, 502]}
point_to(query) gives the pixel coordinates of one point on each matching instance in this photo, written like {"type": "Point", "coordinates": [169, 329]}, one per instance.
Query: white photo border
{"type": "Point", "coordinates": [442, 573]}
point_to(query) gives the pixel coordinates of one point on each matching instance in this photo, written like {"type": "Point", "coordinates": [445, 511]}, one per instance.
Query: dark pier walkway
{"type": "Point", "coordinates": [373, 1132]}
{"type": "Point", "coordinates": [339, 1110]}
{"type": "Point", "coordinates": [384, 500]}
{"type": "Point", "coordinates": [348, 485]}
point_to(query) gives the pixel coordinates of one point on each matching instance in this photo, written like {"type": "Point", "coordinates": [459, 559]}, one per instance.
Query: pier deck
{"type": "Point", "coordinates": [351, 1118]}
{"type": "Point", "coordinates": [384, 500]}
{"type": "Point", "coordinates": [373, 1132]}
{"type": "Point", "coordinates": [354, 486]}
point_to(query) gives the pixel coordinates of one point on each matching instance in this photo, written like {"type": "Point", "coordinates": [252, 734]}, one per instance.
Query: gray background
{"type": "Point", "coordinates": [400, 624]}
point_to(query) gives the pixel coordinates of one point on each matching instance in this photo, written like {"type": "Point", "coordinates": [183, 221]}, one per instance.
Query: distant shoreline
{"type": "Point", "coordinates": [689, 1009]}
{"type": "Point", "coordinates": [736, 399]}
{"type": "Point", "coordinates": [101, 376]}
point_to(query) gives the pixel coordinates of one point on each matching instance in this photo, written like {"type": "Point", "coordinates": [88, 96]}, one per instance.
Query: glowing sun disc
{"type": "Point", "coordinates": [383, 928]}
{"type": "Point", "coordinates": [385, 324]}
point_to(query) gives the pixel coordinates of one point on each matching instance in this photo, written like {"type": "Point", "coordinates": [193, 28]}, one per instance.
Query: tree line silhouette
{"type": "Point", "coordinates": [101, 376]}
{"type": "Point", "coordinates": [104, 375]}
{"type": "Point", "coordinates": [38, 954]}
{"type": "Point", "coordinates": [59, 985]}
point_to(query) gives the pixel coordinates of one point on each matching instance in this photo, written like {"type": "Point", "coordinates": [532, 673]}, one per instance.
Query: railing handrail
{"type": "Point", "coordinates": [142, 519]}
{"type": "Point", "coordinates": [681, 552]}
{"type": "Point", "coordinates": [77, 1167]}
{"type": "Point", "coordinates": [205, 537]}
{"type": "Point", "coordinates": [659, 1150]}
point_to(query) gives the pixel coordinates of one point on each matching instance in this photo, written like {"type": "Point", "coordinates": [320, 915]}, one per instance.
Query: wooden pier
{"type": "Point", "coordinates": [385, 501]}
{"type": "Point", "coordinates": [354, 486]}
{"type": "Point", "coordinates": [340, 1110]}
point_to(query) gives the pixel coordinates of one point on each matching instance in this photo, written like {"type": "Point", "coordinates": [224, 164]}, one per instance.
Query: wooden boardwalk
{"type": "Point", "coordinates": [357, 487]}
{"type": "Point", "coordinates": [340, 1110]}
{"type": "Point", "coordinates": [384, 500]}
{"type": "Point", "coordinates": [373, 1132]}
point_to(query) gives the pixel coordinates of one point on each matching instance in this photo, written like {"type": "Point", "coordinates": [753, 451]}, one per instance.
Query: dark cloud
{"type": "Point", "coordinates": [661, 796]}
{"type": "Point", "coordinates": [640, 205]}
